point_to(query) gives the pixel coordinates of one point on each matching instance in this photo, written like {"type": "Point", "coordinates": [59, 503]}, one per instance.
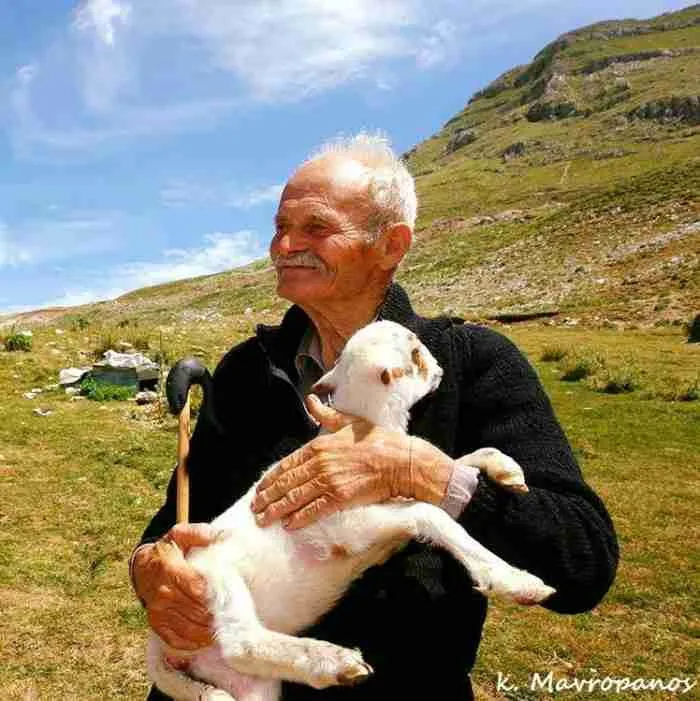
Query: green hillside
{"type": "Point", "coordinates": [570, 183]}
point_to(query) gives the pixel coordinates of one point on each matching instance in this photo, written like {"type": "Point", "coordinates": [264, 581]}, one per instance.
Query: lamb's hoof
{"type": "Point", "coordinates": [215, 695]}
{"type": "Point", "coordinates": [360, 673]}
{"type": "Point", "coordinates": [517, 585]}
{"type": "Point", "coordinates": [502, 469]}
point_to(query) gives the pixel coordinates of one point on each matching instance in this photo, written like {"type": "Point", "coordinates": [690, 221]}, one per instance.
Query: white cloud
{"type": "Point", "coordinates": [221, 252]}
{"type": "Point", "coordinates": [256, 196]}
{"type": "Point", "coordinates": [102, 16]}
{"type": "Point", "coordinates": [439, 46]}
{"type": "Point", "coordinates": [109, 76]}
{"type": "Point", "coordinates": [41, 240]}
{"type": "Point", "coordinates": [217, 253]}
{"type": "Point", "coordinates": [180, 193]}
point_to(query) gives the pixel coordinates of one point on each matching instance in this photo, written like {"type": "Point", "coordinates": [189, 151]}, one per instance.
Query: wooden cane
{"type": "Point", "coordinates": [183, 477]}
{"type": "Point", "coordinates": [182, 376]}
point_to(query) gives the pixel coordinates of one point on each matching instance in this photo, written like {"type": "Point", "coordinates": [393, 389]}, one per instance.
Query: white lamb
{"type": "Point", "coordinates": [265, 586]}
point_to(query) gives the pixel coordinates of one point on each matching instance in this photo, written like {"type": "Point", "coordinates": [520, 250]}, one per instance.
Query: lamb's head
{"type": "Point", "coordinates": [382, 372]}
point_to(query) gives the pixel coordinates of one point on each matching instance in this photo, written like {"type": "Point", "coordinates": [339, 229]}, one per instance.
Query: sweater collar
{"type": "Point", "coordinates": [282, 342]}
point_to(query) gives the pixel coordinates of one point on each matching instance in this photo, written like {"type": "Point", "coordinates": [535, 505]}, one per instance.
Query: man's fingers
{"type": "Point", "coordinates": [295, 499]}
{"type": "Point", "coordinates": [329, 418]}
{"type": "Point", "coordinates": [174, 634]}
{"type": "Point", "coordinates": [293, 460]}
{"type": "Point", "coordinates": [284, 482]}
{"type": "Point", "coordinates": [323, 506]}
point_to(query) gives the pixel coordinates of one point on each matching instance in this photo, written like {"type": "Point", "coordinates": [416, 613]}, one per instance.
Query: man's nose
{"type": "Point", "coordinates": [290, 241]}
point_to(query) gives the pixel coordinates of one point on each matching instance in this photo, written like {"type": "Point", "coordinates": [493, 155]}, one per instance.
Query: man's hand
{"type": "Point", "coordinates": [173, 592]}
{"type": "Point", "coordinates": [358, 464]}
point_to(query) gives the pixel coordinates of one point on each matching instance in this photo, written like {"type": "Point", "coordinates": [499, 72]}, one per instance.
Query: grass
{"type": "Point", "coordinates": [553, 354]}
{"type": "Point", "coordinates": [79, 486]}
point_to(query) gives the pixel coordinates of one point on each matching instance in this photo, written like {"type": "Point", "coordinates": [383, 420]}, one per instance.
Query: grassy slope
{"type": "Point", "coordinates": [76, 487]}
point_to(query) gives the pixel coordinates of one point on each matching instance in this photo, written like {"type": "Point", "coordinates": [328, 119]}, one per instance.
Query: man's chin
{"type": "Point", "coordinates": [298, 290]}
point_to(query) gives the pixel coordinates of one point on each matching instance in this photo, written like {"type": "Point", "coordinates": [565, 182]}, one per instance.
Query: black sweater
{"type": "Point", "coordinates": [416, 618]}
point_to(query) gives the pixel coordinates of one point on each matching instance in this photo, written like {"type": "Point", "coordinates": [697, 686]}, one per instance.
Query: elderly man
{"type": "Point", "coordinates": [345, 221]}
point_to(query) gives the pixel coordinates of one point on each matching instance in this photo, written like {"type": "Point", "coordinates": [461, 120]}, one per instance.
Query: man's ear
{"type": "Point", "coordinates": [395, 242]}
{"type": "Point", "coordinates": [326, 385]}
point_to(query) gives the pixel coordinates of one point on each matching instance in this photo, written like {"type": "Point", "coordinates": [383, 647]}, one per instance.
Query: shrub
{"type": "Point", "coordinates": [79, 323]}
{"type": "Point", "coordinates": [582, 366]}
{"type": "Point", "coordinates": [691, 392]}
{"type": "Point", "coordinates": [553, 353]}
{"type": "Point", "coordinates": [107, 341]}
{"type": "Point", "coordinates": [619, 380]}
{"type": "Point", "coordinates": [19, 341]}
{"type": "Point", "coordinates": [102, 392]}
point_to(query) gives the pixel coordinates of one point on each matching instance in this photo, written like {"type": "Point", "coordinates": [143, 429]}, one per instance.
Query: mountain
{"type": "Point", "coordinates": [569, 184]}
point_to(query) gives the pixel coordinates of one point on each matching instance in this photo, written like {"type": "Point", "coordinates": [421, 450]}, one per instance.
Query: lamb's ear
{"type": "Point", "coordinates": [326, 385]}
{"type": "Point", "coordinates": [386, 375]}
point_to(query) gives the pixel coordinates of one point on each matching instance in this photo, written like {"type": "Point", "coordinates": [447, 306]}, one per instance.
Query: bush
{"type": "Point", "coordinates": [582, 366]}
{"type": "Point", "coordinates": [79, 323]}
{"type": "Point", "coordinates": [19, 341]}
{"type": "Point", "coordinates": [553, 353]}
{"type": "Point", "coordinates": [620, 380]}
{"type": "Point", "coordinates": [101, 392]}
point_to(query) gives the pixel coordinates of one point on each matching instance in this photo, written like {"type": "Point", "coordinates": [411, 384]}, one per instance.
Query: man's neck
{"type": "Point", "coordinates": [335, 323]}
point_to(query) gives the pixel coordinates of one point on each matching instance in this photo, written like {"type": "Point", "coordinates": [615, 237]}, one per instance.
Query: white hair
{"type": "Point", "coordinates": [392, 190]}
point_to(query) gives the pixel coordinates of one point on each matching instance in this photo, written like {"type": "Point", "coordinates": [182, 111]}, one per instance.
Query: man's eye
{"type": "Point", "coordinates": [315, 228]}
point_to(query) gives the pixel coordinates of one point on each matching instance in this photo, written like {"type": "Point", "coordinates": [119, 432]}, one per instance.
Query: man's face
{"type": "Point", "coordinates": [320, 248]}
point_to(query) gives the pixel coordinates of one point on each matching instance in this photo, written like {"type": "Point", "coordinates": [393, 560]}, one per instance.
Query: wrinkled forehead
{"type": "Point", "coordinates": [330, 182]}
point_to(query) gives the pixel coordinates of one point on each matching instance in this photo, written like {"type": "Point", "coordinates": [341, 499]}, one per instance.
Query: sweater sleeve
{"type": "Point", "coordinates": [559, 530]}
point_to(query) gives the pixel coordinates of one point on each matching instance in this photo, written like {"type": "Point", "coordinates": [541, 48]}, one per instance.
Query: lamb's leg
{"type": "Point", "coordinates": [249, 648]}
{"type": "Point", "coordinates": [499, 467]}
{"type": "Point", "coordinates": [491, 574]}
{"type": "Point", "coordinates": [176, 683]}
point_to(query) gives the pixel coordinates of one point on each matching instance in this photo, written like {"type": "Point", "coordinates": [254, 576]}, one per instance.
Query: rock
{"type": "Point", "coordinates": [126, 360]}
{"type": "Point", "coordinates": [72, 391]}
{"type": "Point", "coordinates": [43, 412]}
{"type": "Point", "coordinates": [70, 376]}
{"type": "Point", "coordinates": [248, 311]}
{"type": "Point", "coordinates": [59, 332]}
{"type": "Point", "coordinates": [29, 395]}
{"type": "Point", "coordinates": [514, 151]}
{"type": "Point", "coordinates": [146, 397]}
{"type": "Point", "coordinates": [462, 137]}
{"type": "Point", "coordinates": [551, 110]}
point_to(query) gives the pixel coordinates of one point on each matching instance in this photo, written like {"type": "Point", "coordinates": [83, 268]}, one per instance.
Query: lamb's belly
{"type": "Point", "coordinates": [294, 577]}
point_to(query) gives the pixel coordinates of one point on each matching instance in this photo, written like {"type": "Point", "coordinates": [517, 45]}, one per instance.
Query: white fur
{"type": "Point", "coordinates": [266, 584]}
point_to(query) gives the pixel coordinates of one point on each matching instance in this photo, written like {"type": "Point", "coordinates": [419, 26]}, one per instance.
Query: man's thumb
{"type": "Point", "coordinates": [329, 418]}
{"type": "Point", "coordinates": [192, 535]}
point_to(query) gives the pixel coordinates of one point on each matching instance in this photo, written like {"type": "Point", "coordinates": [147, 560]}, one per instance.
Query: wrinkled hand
{"type": "Point", "coordinates": [174, 593]}
{"type": "Point", "coordinates": [357, 464]}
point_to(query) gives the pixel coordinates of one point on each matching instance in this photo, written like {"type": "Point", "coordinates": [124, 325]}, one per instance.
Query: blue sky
{"type": "Point", "coordinates": [143, 141]}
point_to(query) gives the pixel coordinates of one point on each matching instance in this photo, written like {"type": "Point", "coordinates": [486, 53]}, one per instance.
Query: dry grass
{"type": "Point", "coordinates": [79, 485]}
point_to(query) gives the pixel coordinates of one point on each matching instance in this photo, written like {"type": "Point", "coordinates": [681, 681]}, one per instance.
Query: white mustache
{"type": "Point", "coordinates": [302, 259]}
